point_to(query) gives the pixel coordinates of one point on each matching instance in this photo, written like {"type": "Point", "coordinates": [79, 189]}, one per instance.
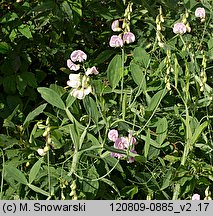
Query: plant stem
{"type": "Point", "coordinates": [122, 83]}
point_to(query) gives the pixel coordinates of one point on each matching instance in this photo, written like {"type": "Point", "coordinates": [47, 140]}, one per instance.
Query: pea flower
{"type": "Point", "coordinates": [113, 135]}
{"type": "Point", "coordinates": [74, 80]}
{"type": "Point", "coordinates": [200, 12]}
{"type": "Point", "coordinates": [85, 89]}
{"type": "Point", "coordinates": [72, 66]}
{"type": "Point", "coordinates": [120, 144]}
{"type": "Point", "coordinates": [115, 26]}
{"type": "Point", "coordinates": [78, 55]}
{"type": "Point", "coordinates": [81, 93]}
{"type": "Point", "coordinates": [41, 152]}
{"type": "Point", "coordinates": [116, 41]}
{"type": "Point", "coordinates": [132, 159]}
{"type": "Point", "coordinates": [179, 28]}
{"type": "Point", "coordinates": [92, 70]}
{"type": "Point", "coordinates": [196, 197]}
{"type": "Point", "coordinates": [128, 37]}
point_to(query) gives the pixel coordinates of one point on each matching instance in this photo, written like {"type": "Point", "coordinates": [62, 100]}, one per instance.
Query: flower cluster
{"type": "Point", "coordinates": [122, 143]}
{"type": "Point", "coordinates": [183, 27]}
{"type": "Point", "coordinates": [125, 37]}
{"type": "Point", "coordinates": [79, 82]}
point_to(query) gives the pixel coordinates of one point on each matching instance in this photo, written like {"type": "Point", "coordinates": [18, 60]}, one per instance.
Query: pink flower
{"type": "Point", "coordinates": [92, 70]}
{"type": "Point", "coordinates": [74, 80]}
{"type": "Point", "coordinates": [200, 12]}
{"type": "Point", "coordinates": [128, 37]}
{"type": "Point", "coordinates": [120, 143]}
{"type": "Point", "coordinates": [132, 159]}
{"type": "Point", "coordinates": [113, 135]}
{"type": "Point", "coordinates": [179, 28]}
{"type": "Point", "coordinates": [196, 197]}
{"type": "Point", "coordinates": [115, 26]}
{"type": "Point", "coordinates": [78, 55]}
{"type": "Point", "coordinates": [116, 41]}
{"type": "Point", "coordinates": [72, 66]}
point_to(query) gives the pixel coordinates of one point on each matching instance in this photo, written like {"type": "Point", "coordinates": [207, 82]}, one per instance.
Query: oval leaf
{"type": "Point", "coordinates": [114, 71]}
{"type": "Point", "coordinates": [51, 97]}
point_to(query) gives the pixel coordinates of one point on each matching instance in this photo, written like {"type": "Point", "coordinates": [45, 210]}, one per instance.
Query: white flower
{"type": "Point", "coordinates": [92, 70]}
{"type": "Point", "coordinates": [72, 66]}
{"type": "Point", "coordinates": [200, 12]}
{"type": "Point", "coordinates": [81, 93]}
{"type": "Point", "coordinates": [41, 152]}
{"type": "Point", "coordinates": [74, 80]}
{"type": "Point", "coordinates": [196, 197]}
{"type": "Point", "coordinates": [78, 55]}
{"type": "Point", "coordinates": [115, 26]}
{"type": "Point", "coordinates": [179, 28]}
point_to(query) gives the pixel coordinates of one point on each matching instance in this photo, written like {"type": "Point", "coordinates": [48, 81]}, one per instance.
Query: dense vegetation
{"type": "Point", "coordinates": [134, 118]}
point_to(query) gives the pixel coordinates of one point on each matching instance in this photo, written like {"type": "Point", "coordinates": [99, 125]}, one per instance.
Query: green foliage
{"type": "Point", "coordinates": [157, 89]}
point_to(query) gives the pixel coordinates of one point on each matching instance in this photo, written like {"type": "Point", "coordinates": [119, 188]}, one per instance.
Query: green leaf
{"type": "Point", "coordinates": [140, 55]}
{"type": "Point", "coordinates": [166, 180]}
{"type": "Point", "coordinates": [34, 171]}
{"type": "Point", "coordinates": [90, 186]}
{"type": "Point", "coordinates": [9, 84]}
{"type": "Point", "coordinates": [70, 100]}
{"type": "Point", "coordinates": [155, 100]}
{"type": "Point", "coordinates": [21, 84]}
{"type": "Point", "coordinates": [25, 30]}
{"type": "Point", "coordinates": [210, 43]}
{"type": "Point", "coordinates": [147, 144]}
{"type": "Point", "coordinates": [4, 47]}
{"type": "Point", "coordinates": [34, 113]}
{"type": "Point", "coordinates": [8, 141]}
{"type": "Point", "coordinates": [162, 127]}
{"type": "Point", "coordinates": [91, 108]}
{"type": "Point", "coordinates": [198, 131]}
{"type": "Point", "coordinates": [138, 76]}
{"type": "Point", "coordinates": [67, 9]}
{"type": "Point", "coordinates": [51, 97]}
{"type": "Point", "coordinates": [114, 71]}
{"type": "Point", "coordinates": [103, 56]}
{"type": "Point", "coordinates": [16, 174]}
{"type": "Point", "coordinates": [38, 190]}
{"type": "Point", "coordinates": [112, 184]}
{"type": "Point", "coordinates": [29, 78]}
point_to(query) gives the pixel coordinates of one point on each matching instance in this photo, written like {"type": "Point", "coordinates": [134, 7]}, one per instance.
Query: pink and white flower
{"type": "Point", "coordinates": [128, 37]}
{"type": "Point", "coordinates": [78, 55]}
{"type": "Point", "coordinates": [196, 197]}
{"type": "Point", "coordinates": [116, 41]}
{"type": "Point", "coordinates": [92, 70]}
{"type": "Point", "coordinates": [74, 80]}
{"type": "Point", "coordinates": [113, 135]}
{"type": "Point", "coordinates": [115, 26]}
{"type": "Point", "coordinates": [200, 12]}
{"type": "Point", "coordinates": [72, 66]}
{"type": "Point", "coordinates": [132, 159]}
{"type": "Point", "coordinates": [81, 93]}
{"type": "Point", "coordinates": [179, 28]}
